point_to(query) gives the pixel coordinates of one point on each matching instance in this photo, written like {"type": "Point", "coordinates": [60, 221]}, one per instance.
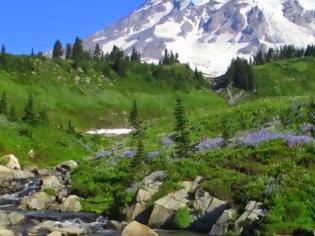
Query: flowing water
{"type": "Point", "coordinates": [9, 202]}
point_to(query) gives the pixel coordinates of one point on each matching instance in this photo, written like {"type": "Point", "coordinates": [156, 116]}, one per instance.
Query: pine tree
{"type": "Point", "coordinates": [29, 114]}
{"type": "Point", "coordinates": [78, 50]}
{"type": "Point", "coordinates": [58, 50]}
{"type": "Point", "coordinates": [3, 50]}
{"type": "Point", "coordinates": [12, 115]}
{"type": "Point", "coordinates": [3, 103]}
{"type": "Point", "coordinates": [135, 56]}
{"type": "Point", "coordinates": [68, 51]}
{"type": "Point", "coordinates": [97, 52]}
{"type": "Point", "coordinates": [133, 115]}
{"type": "Point", "coordinates": [181, 134]}
{"type": "Point", "coordinates": [32, 52]}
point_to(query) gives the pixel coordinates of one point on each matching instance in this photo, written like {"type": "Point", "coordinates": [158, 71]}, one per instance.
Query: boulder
{"type": "Point", "coordinates": [150, 186]}
{"type": "Point", "coordinates": [11, 161]}
{"type": "Point", "coordinates": [38, 201]}
{"type": "Point", "coordinates": [4, 220]}
{"type": "Point", "coordinates": [254, 212]}
{"type": "Point", "coordinates": [65, 229]}
{"type": "Point", "coordinates": [51, 182]}
{"type": "Point", "coordinates": [22, 174]}
{"type": "Point", "coordinates": [70, 165]}
{"type": "Point", "coordinates": [165, 207]}
{"type": "Point", "coordinates": [114, 225]}
{"type": "Point", "coordinates": [71, 203]}
{"type": "Point", "coordinates": [6, 232]}
{"type": "Point", "coordinates": [137, 229]}
{"type": "Point", "coordinates": [16, 218]}
{"type": "Point", "coordinates": [208, 210]}
{"type": "Point", "coordinates": [221, 226]}
{"type": "Point", "coordinates": [55, 233]}
{"type": "Point", "coordinates": [5, 174]}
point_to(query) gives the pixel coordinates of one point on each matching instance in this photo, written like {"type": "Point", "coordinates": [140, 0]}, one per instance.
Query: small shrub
{"type": "Point", "coordinates": [182, 218]}
{"type": "Point", "coordinates": [49, 191]}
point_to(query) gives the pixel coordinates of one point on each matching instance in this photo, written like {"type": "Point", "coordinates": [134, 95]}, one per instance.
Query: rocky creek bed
{"type": "Point", "coordinates": [39, 202]}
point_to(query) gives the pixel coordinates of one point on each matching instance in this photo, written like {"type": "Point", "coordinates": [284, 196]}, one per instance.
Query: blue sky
{"type": "Point", "coordinates": [27, 24]}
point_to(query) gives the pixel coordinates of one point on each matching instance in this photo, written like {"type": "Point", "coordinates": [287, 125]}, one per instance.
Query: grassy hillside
{"type": "Point", "coordinates": [291, 77]}
{"type": "Point", "coordinates": [89, 99]}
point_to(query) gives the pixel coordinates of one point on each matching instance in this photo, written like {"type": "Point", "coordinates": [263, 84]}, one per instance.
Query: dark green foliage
{"type": "Point", "coordinates": [135, 56]}
{"type": "Point", "coordinates": [3, 103]}
{"type": "Point", "coordinates": [133, 115]}
{"type": "Point", "coordinates": [240, 74]}
{"type": "Point", "coordinates": [68, 51]}
{"type": "Point", "coordinates": [78, 50]}
{"type": "Point", "coordinates": [97, 52]}
{"type": "Point", "coordinates": [182, 218]}
{"type": "Point", "coordinates": [57, 50]}
{"type": "Point", "coordinates": [29, 114]}
{"type": "Point", "coordinates": [119, 61]}
{"type": "Point", "coordinates": [181, 138]}
{"type": "Point", "coordinates": [169, 58]}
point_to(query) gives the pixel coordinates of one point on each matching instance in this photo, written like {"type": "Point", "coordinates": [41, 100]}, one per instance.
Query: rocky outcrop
{"type": "Point", "coordinates": [207, 210]}
{"type": "Point", "coordinates": [6, 232]}
{"type": "Point", "coordinates": [254, 212]}
{"type": "Point", "coordinates": [71, 203]}
{"type": "Point", "coordinates": [221, 226]}
{"type": "Point", "coordinates": [137, 229]}
{"type": "Point", "coordinates": [165, 208]}
{"type": "Point", "coordinates": [149, 187]}
{"type": "Point", "coordinates": [69, 165]}
{"type": "Point", "coordinates": [11, 161]}
{"type": "Point", "coordinates": [54, 228]}
{"type": "Point", "coordinates": [9, 219]}
{"type": "Point", "coordinates": [38, 201]}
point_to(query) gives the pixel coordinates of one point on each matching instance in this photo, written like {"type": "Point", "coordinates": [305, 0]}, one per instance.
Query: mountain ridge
{"type": "Point", "coordinates": [208, 34]}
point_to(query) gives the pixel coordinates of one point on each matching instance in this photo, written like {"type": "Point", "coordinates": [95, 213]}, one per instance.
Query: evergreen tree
{"type": "Point", "coordinates": [3, 103]}
{"type": "Point", "coordinates": [135, 56]}
{"type": "Point", "coordinates": [181, 134]}
{"type": "Point", "coordinates": [3, 50]}
{"type": "Point", "coordinates": [58, 50]}
{"type": "Point", "coordinates": [78, 50]}
{"type": "Point", "coordinates": [133, 115]}
{"type": "Point", "coordinates": [68, 51]}
{"type": "Point", "coordinates": [29, 114]}
{"type": "Point", "coordinates": [12, 114]}
{"type": "Point", "coordinates": [97, 52]}
{"type": "Point", "coordinates": [32, 52]}
{"type": "Point", "coordinates": [119, 62]}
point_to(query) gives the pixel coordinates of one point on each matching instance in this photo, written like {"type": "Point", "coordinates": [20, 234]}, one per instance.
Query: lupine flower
{"type": "Point", "coordinates": [210, 144]}
{"type": "Point", "coordinates": [167, 141]}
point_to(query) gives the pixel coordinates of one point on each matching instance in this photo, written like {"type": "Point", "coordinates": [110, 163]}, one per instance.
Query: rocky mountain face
{"type": "Point", "coordinates": [208, 34]}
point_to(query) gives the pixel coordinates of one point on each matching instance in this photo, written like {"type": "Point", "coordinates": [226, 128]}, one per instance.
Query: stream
{"type": "Point", "coordinates": [95, 224]}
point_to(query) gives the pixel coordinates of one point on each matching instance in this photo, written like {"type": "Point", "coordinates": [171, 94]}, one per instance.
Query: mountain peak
{"type": "Point", "coordinates": [208, 34]}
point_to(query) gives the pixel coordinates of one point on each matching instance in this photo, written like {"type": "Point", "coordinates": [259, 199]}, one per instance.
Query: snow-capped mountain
{"type": "Point", "coordinates": [208, 34]}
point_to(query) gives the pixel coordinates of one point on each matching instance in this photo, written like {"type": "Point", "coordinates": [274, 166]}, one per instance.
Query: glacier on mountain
{"type": "Point", "coordinates": [208, 34]}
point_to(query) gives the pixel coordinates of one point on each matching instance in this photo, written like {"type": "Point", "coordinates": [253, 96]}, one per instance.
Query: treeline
{"type": "Point", "coordinates": [109, 64]}
{"type": "Point", "coordinates": [285, 52]}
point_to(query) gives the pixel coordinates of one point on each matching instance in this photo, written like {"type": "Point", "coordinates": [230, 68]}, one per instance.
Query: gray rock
{"type": "Point", "coordinates": [136, 229]}
{"type": "Point", "coordinates": [71, 203]}
{"type": "Point", "coordinates": [38, 201]}
{"type": "Point", "coordinates": [6, 232]}
{"type": "Point", "coordinates": [254, 211]}
{"type": "Point", "coordinates": [4, 220]}
{"type": "Point", "coordinates": [208, 209]}
{"type": "Point", "coordinates": [221, 226]}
